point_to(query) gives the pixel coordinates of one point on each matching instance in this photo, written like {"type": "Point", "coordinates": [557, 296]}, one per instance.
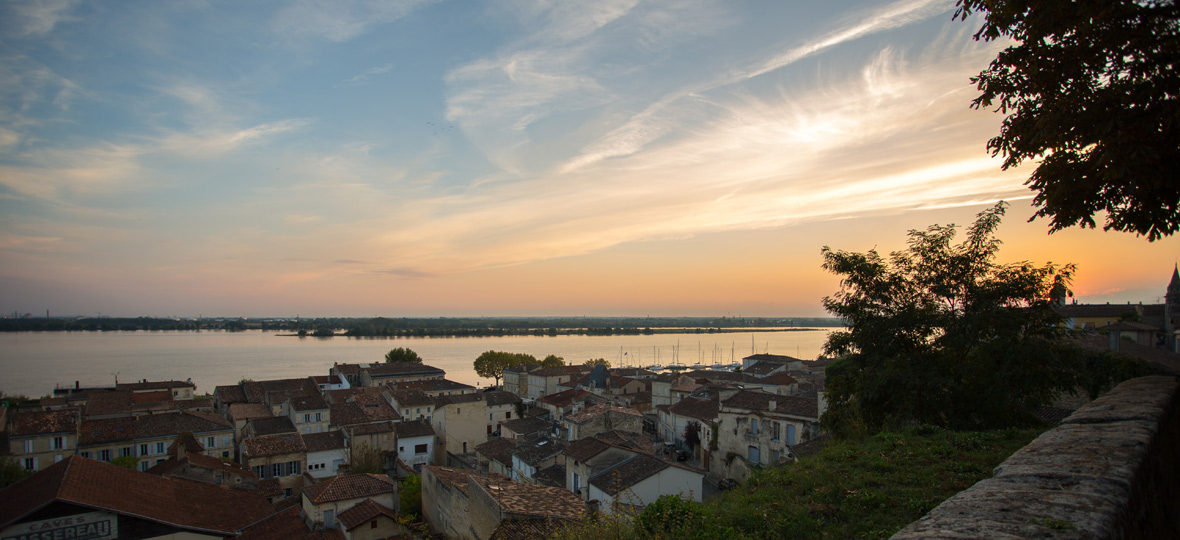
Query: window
{"type": "Point", "coordinates": [260, 471]}
{"type": "Point", "coordinates": [319, 417]}
{"type": "Point", "coordinates": [210, 442]}
{"type": "Point", "coordinates": [276, 470]}
{"type": "Point", "coordinates": [143, 449]}
{"type": "Point", "coordinates": [29, 447]}
{"type": "Point", "coordinates": [373, 524]}
{"type": "Point", "coordinates": [144, 466]}
{"type": "Point", "coordinates": [125, 452]}
{"type": "Point", "coordinates": [752, 454]}
{"type": "Point", "coordinates": [420, 449]}
{"type": "Point", "coordinates": [30, 464]}
{"type": "Point", "coordinates": [59, 443]}
{"type": "Point", "coordinates": [775, 431]}
{"type": "Point", "coordinates": [86, 455]}
{"type": "Point", "coordinates": [225, 454]}
{"type": "Point", "coordinates": [754, 426]}
{"type": "Point", "coordinates": [307, 418]}
{"type": "Point", "coordinates": [160, 448]}
{"type": "Point", "coordinates": [508, 415]}
{"type": "Point", "coordinates": [104, 455]}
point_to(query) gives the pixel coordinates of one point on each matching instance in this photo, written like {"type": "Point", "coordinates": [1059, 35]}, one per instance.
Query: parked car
{"type": "Point", "coordinates": [681, 455]}
{"type": "Point", "coordinates": [727, 484]}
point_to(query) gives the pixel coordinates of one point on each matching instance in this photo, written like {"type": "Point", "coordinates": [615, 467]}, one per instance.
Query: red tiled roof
{"type": "Point", "coordinates": [44, 422]}
{"type": "Point", "coordinates": [286, 525]}
{"type": "Point", "coordinates": [347, 414]}
{"type": "Point", "coordinates": [154, 385]}
{"type": "Point", "coordinates": [564, 398]}
{"type": "Point", "coordinates": [498, 449]}
{"type": "Point", "coordinates": [274, 445]}
{"type": "Point", "coordinates": [180, 503]}
{"type": "Point", "coordinates": [230, 394]}
{"type": "Point", "coordinates": [701, 409]}
{"type": "Point", "coordinates": [365, 511]}
{"type": "Point", "coordinates": [106, 430]}
{"type": "Point", "coordinates": [353, 486]}
{"type": "Point", "coordinates": [528, 529]}
{"type": "Point", "coordinates": [247, 411]}
{"type": "Point", "coordinates": [149, 397]}
{"type": "Point", "coordinates": [531, 500]}
{"type": "Point", "coordinates": [413, 428]}
{"type": "Point", "coordinates": [328, 440]}
{"type": "Point", "coordinates": [628, 473]}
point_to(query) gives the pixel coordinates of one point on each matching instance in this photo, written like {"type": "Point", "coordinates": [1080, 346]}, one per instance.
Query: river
{"type": "Point", "coordinates": [33, 363]}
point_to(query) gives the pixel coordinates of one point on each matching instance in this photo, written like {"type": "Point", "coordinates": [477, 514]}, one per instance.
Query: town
{"type": "Point", "coordinates": [395, 449]}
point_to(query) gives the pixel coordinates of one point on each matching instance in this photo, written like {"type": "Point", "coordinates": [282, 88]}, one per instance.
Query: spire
{"type": "Point", "coordinates": [1174, 285]}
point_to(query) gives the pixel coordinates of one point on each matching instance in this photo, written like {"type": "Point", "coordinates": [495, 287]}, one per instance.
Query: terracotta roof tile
{"type": "Point", "coordinates": [44, 422]}
{"type": "Point", "coordinates": [527, 425]}
{"type": "Point", "coordinates": [585, 448]}
{"type": "Point", "coordinates": [181, 503]}
{"type": "Point", "coordinates": [498, 449]}
{"type": "Point", "coordinates": [598, 410]}
{"type": "Point", "coordinates": [347, 414]}
{"type": "Point", "coordinates": [627, 473]}
{"type": "Point", "coordinates": [106, 430]}
{"type": "Point", "coordinates": [320, 442]}
{"type": "Point", "coordinates": [760, 401]}
{"type": "Point", "coordinates": [529, 529]}
{"type": "Point", "coordinates": [370, 429]}
{"type": "Point", "coordinates": [230, 394]}
{"type": "Point", "coordinates": [274, 445]}
{"type": "Point", "coordinates": [352, 486]}
{"type": "Point", "coordinates": [398, 369]}
{"type": "Point", "coordinates": [364, 512]}
{"type": "Point", "coordinates": [105, 403]}
{"type": "Point", "coordinates": [561, 370]}
{"type": "Point", "coordinates": [248, 411]}
{"type": "Point", "coordinates": [286, 524]}
{"type": "Point", "coordinates": [154, 385]}
{"type": "Point", "coordinates": [535, 451]}
{"type": "Point", "coordinates": [174, 423]}
{"type": "Point", "coordinates": [701, 409]}
{"type": "Point", "coordinates": [273, 425]}
{"type": "Point", "coordinates": [410, 398]}
{"type": "Point", "coordinates": [521, 499]}
{"type": "Point", "coordinates": [553, 475]}
{"type": "Point", "coordinates": [434, 385]}
{"type": "Point", "coordinates": [413, 428]}
{"type": "Point", "coordinates": [500, 397]}
{"type": "Point", "coordinates": [308, 403]}
{"type": "Point", "coordinates": [564, 398]}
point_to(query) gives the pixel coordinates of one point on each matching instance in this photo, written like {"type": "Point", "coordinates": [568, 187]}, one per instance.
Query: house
{"type": "Point", "coordinates": [445, 506]}
{"type": "Point", "coordinates": [369, 520]}
{"type": "Point", "coordinates": [601, 418]}
{"type": "Point", "coordinates": [516, 378]}
{"type": "Point", "coordinates": [561, 403]}
{"type": "Point", "coordinates": [278, 457]}
{"type": "Point", "coordinates": [525, 427]}
{"type": "Point", "coordinates": [495, 456]}
{"type": "Point", "coordinates": [1143, 334]}
{"type": "Point", "coordinates": [495, 504]}
{"type": "Point", "coordinates": [605, 383]}
{"type": "Point", "coordinates": [462, 504]}
{"type": "Point", "coordinates": [389, 374]}
{"type": "Point", "coordinates": [502, 407]}
{"type": "Point", "coordinates": [239, 414]}
{"type": "Point", "coordinates": [544, 381]}
{"type": "Point", "coordinates": [192, 464]}
{"type": "Point", "coordinates": [366, 442]}
{"type": "Point", "coordinates": [175, 390]}
{"type": "Point", "coordinates": [461, 422]}
{"type": "Point", "coordinates": [309, 414]}
{"type": "Point", "coordinates": [640, 480]}
{"type": "Point", "coordinates": [759, 428]}
{"type": "Point", "coordinates": [83, 498]}
{"type": "Point", "coordinates": [324, 501]}
{"type": "Point", "coordinates": [700, 409]}
{"type": "Point", "coordinates": [327, 383]}
{"type": "Point", "coordinates": [327, 452]}
{"type": "Point", "coordinates": [287, 524]}
{"type": "Point", "coordinates": [589, 456]}
{"type": "Point", "coordinates": [149, 437]}
{"type": "Point", "coordinates": [532, 455]}
{"type": "Point", "coordinates": [271, 425]}
{"type": "Point", "coordinates": [436, 387]}
{"type": "Point", "coordinates": [415, 443]}
{"type": "Point", "coordinates": [761, 365]}
{"type": "Point", "coordinates": [227, 395]}
{"type": "Point", "coordinates": [411, 404]}
{"type": "Point", "coordinates": [40, 439]}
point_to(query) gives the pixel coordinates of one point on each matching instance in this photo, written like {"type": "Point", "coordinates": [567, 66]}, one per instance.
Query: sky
{"type": "Point", "coordinates": [445, 158]}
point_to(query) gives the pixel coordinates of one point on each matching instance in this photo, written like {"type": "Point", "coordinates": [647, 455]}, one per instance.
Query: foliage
{"type": "Point", "coordinates": [944, 335]}
{"type": "Point", "coordinates": [865, 487]}
{"type": "Point", "coordinates": [1091, 90]}
{"type": "Point", "coordinates": [553, 361]}
{"type": "Point", "coordinates": [402, 354]}
{"type": "Point", "coordinates": [11, 471]}
{"type": "Point", "coordinates": [366, 459]}
{"type": "Point", "coordinates": [692, 434]}
{"type": "Point", "coordinates": [598, 362]}
{"type": "Point", "coordinates": [411, 495]}
{"type": "Point", "coordinates": [127, 462]}
{"type": "Point", "coordinates": [491, 364]}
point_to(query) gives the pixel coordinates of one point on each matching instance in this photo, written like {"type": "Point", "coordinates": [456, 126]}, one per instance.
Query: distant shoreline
{"type": "Point", "coordinates": [545, 332]}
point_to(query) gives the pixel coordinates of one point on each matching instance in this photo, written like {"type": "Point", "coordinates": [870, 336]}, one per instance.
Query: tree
{"type": "Point", "coordinates": [598, 362]}
{"type": "Point", "coordinates": [944, 335]}
{"type": "Point", "coordinates": [491, 364]}
{"type": "Point", "coordinates": [1092, 90]}
{"type": "Point", "coordinates": [553, 361]}
{"type": "Point", "coordinates": [401, 354]}
{"type": "Point", "coordinates": [127, 462]}
{"type": "Point", "coordinates": [692, 434]}
{"type": "Point", "coordinates": [410, 496]}
{"type": "Point", "coordinates": [11, 471]}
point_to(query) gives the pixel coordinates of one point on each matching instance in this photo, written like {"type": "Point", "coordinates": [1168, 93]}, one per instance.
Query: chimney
{"type": "Point", "coordinates": [771, 406]}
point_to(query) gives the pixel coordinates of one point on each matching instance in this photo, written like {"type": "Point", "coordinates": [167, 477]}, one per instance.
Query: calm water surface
{"type": "Point", "coordinates": [33, 363]}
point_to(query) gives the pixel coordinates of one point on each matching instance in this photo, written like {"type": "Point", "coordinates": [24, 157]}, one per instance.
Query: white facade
{"type": "Point", "coordinates": [326, 463]}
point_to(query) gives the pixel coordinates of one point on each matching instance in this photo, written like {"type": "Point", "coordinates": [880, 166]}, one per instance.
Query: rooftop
{"type": "Point", "coordinates": [524, 426]}
{"type": "Point", "coordinates": [273, 445]}
{"type": "Point", "coordinates": [352, 486]}
{"type": "Point", "coordinates": [180, 503]}
{"type": "Point", "coordinates": [322, 442]}
{"type": "Point", "coordinates": [413, 428]}
{"type": "Point", "coordinates": [521, 499]}
{"type": "Point", "coordinates": [628, 473]}
{"type": "Point", "coordinates": [364, 512]}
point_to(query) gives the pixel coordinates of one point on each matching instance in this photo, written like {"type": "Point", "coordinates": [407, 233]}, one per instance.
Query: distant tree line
{"type": "Point", "coordinates": [421, 327]}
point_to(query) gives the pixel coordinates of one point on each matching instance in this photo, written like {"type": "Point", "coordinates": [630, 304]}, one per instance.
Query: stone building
{"type": "Point", "coordinates": [39, 439]}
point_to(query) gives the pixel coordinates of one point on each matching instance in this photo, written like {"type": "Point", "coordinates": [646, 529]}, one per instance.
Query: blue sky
{"type": "Point", "coordinates": [499, 158]}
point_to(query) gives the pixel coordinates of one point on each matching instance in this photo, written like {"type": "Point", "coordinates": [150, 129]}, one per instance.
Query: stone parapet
{"type": "Point", "coordinates": [1109, 471]}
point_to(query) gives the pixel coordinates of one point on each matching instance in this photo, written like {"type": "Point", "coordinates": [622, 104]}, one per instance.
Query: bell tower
{"type": "Point", "coordinates": [1172, 308]}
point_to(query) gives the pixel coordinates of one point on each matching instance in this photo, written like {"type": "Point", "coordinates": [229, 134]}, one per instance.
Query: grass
{"type": "Point", "coordinates": [868, 487]}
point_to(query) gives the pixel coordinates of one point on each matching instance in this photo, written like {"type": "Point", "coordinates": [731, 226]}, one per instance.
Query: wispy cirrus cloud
{"type": "Point", "coordinates": [357, 79]}
{"type": "Point", "coordinates": [35, 18]}
{"type": "Point", "coordinates": [339, 20]}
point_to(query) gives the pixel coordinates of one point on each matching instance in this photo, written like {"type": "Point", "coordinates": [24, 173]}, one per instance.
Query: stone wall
{"type": "Point", "coordinates": [1109, 471]}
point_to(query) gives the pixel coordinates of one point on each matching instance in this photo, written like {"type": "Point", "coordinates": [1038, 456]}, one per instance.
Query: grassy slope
{"type": "Point", "coordinates": [869, 487]}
